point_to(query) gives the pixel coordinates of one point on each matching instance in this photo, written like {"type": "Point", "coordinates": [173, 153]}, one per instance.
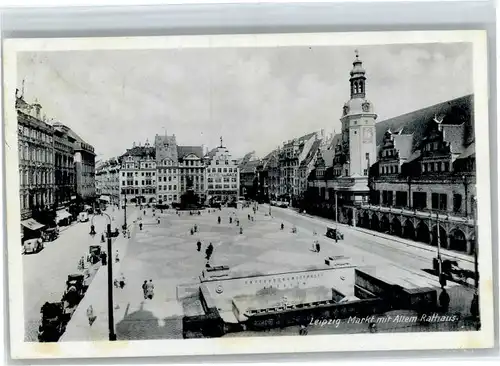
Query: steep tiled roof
{"type": "Point", "coordinates": [311, 154]}
{"type": "Point", "coordinates": [335, 141]}
{"type": "Point", "coordinates": [250, 166]}
{"type": "Point", "coordinates": [141, 151]}
{"type": "Point", "coordinates": [455, 112]}
{"type": "Point", "coordinates": [183, 151]}
{"type": "Point", "coordinates": [211, 153]}
{"type": "Point", "coordinates": [306, 137]}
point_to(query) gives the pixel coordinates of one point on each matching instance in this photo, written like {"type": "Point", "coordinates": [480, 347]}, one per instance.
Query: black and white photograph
{"type": "Point", "coordinates": [246, 194]}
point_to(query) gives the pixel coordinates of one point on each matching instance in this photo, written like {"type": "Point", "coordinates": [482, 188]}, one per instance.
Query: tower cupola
{"type": "Point", "coordinates": [358, 78]}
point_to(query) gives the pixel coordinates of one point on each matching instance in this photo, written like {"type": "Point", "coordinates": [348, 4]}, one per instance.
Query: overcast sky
{"type": "Point", "coordinates": [255, 98]}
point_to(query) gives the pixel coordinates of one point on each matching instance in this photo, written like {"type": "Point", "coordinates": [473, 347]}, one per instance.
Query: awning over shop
{"type": "Point", "coordinates": [32, 224]}
{"type": "Point", "coordinates": [104, 198]}
{"type": "Point", "coordinates": [61, 215]}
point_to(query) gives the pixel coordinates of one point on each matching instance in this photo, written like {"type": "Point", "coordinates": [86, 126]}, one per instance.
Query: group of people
{"type": "Point", "coordinates": [148, 289]}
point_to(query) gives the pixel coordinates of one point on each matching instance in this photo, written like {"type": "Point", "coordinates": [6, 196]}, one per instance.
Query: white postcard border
{"type": "Point", "coordinates": [248, 345]}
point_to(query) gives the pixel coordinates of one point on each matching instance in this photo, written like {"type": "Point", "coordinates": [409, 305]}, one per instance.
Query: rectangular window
{"type": "Point", "coordinates": [435, 201]}
{"type": "Point", "coordinates": [419, 200]}
{"type": "Point", "coordinates": [123, 182]}
{"type": "Point", "coordinates": [401, 199]}
{"type": "Point", "coordinates": [457, 202]}
{"type": "Point", "coordinates": [175, 187]}
{"type": "Point", "coordinates": [443, 201]}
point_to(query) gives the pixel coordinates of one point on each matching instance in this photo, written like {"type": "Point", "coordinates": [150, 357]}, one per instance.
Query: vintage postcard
{"type": "Point", "coordinates": [248, 194]}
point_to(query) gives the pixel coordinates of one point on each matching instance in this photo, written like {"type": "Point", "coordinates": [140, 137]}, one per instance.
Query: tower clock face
{"type": "Point", "coordinates": [367, 134]}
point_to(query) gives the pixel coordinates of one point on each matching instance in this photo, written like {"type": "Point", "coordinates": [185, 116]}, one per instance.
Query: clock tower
{"type": "Point", "coordinates": [358, 126]}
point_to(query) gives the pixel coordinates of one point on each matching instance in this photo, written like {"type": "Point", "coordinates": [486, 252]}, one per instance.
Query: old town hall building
{"type": "Point", "coordinates": [411, 176]}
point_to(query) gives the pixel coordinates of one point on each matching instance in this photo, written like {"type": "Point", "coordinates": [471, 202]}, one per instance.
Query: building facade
{"type": "Point", "coordinates": [36, 159]}
{"type": "Point", "coordinates": [191, 169]}
{"type": "Point", "coordinates": [64, 165]}
{"type": "Point", "coordinates": [167, 161]}
{"type": "Point", "coordinates": [138, 175]}
{"type": "Point", "coordinates": [223, 176]}
{"type": "Point", "coordinates": [107, 181]}
{"type": "Point", "coordinates": [423, 186]}
{"type": "Point", "coordinates": [291, 156]}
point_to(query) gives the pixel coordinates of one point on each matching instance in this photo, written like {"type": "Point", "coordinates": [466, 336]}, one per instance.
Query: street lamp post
{"type": "Point", "coordinates": [125, 210]}
{"type": "Point", "coordinates": [111, 322]}
{"type": "Point", "coordinates": [466, 198]}
{"type": "Point", "coordinates": [438, 248]}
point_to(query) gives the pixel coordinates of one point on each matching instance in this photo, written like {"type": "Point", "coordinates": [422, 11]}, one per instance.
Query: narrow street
{"type": "Point", "coordinates": [45, 273]}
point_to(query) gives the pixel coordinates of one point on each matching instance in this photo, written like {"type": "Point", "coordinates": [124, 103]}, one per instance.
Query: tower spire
{"type": "Point", "coordinates": [358, 78]}
{"type": "Point", "coordinates": [221, 141]}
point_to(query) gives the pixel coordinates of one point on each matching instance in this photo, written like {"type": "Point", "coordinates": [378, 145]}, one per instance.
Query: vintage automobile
{"type": "Point", "coordinates": [95, 249]}
{"type": "Point", "coordinates": [75, 288]}
{"type": "Point", "coordinates": [333, 233]}
{"type": "Point", "coordinates": [53, 322]}
{"type": "Point", "coordinates": [32, 245]}
{"type": "Point", "coordinates": [283, 204]}
{"type": "Point", "coordinates": [50, 234]}
{"type": "Point", "coordinates": [83, 216]}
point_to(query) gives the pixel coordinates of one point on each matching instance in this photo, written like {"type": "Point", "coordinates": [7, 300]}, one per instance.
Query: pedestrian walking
{"type": "Point", "coordinates": [117, 257]}
{"type": "Point", "coordinates": [140, 226]}
{"type": "Point", "coordinates": [444, 300]}
{"type": "Point", "coordinates": [195, 228]}
{"type": "Point", "coordinates": [282, 226]}
{"type": "Point", "coordinates": [241, 230]}
{"type": "Point", "coordinates": [102, 238]}
{"type": "Point", "coordinates": [198, 246]}
{"type": "Point", "coordinates": [230, 220]}
{"type": "Point", "coordinates": [121, 281]}
{"type": "Point", "coordinates": [144, 286]}
{"type": "Point", "coordinates": [218, 220]}
{"type": "Point", "coordinates": [158, 221]}
{"type": "Point", "coordinates": [90, 315]}
{"type": "Point", "coordinates": [317, 246]}
{"type": "Point", "coordinates": [104, 258]}
{"type": "Point", "coordinates": [248, 217]}
{"type": "Point", "coordinates": [192, 231]}
{"type": "Point", "coordinates": [209, 251]}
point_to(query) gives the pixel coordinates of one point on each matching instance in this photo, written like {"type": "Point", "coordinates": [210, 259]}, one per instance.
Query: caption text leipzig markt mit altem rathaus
{"type": "Point", "coordinates": [399, 176]}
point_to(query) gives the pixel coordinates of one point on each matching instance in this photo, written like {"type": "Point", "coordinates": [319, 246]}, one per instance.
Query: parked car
{"type": "Point", "coordinates": [283, 204]}
{"type": "Point", "coordinates": [32, 245]}
{"type": "Point", "coordinates": [50, 234]}
{"type": "Point", "coordinates": [83, 217]}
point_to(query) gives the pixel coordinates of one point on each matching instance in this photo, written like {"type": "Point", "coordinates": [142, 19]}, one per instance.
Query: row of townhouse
{"type": "Point", "coordinates": [56, 167]}
{"type": "Point", "coordinates": [283, 173]}
{"type": "Point", "coordinates": [163, 173]}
